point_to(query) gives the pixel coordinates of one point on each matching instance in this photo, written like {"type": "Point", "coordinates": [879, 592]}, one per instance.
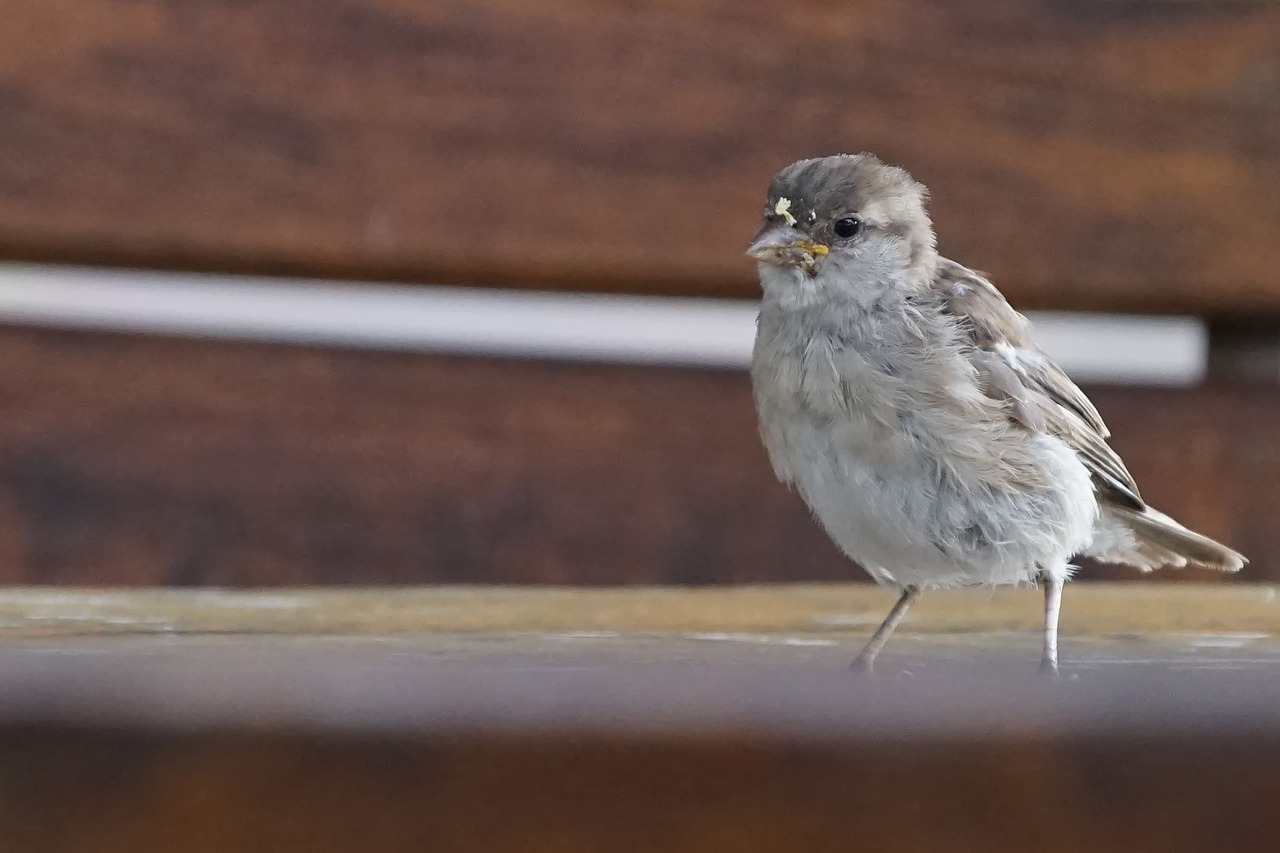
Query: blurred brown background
{"type": "Point", "coordinates": [1106, 156]}
{"type": "Point", "coordinates": [1116, 156]}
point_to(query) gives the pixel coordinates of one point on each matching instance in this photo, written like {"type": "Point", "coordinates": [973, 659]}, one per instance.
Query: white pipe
{"type": "Point", "coordinates": [576, 326]}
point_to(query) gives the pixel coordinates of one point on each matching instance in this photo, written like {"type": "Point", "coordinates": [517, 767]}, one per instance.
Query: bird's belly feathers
{"type": "Point", "coordinates": [912, 514]}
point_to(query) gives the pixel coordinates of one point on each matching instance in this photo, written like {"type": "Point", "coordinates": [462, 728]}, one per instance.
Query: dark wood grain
{"type": "Point", "coordinates": [1088, 154]}
{"type": "Point", "coordinates": [69, 791]}
{"type": "Point", "coordinates": [139, 460]}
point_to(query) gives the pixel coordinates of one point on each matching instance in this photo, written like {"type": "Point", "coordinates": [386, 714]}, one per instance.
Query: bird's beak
{"type": "Point", "coordinates": [782, 245]}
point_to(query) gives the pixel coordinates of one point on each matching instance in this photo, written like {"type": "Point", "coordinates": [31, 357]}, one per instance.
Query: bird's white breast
{"type": "Point", "coordinates": [874, 414]}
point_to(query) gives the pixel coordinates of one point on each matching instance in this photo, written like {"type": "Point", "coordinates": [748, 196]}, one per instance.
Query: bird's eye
{"type": "Point", "coordinates": [847, 227]}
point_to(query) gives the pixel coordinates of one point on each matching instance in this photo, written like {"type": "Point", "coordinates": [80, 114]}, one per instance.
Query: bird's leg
{"type": "Point", "coordinates": [1052, 604]}
{"type": "Point", "coordinates": [867, 657]}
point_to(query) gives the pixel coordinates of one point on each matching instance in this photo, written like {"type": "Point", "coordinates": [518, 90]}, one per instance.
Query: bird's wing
{"type": "Point", "coordinates": [1038, 393]}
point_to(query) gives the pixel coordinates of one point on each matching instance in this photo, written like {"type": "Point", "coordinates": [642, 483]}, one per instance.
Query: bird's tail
{"type": "Point", "coordinates": [1149, 539]}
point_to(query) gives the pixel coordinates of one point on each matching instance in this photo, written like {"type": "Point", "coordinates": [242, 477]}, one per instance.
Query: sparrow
{"type": "Point", "coordinates": [908, 404]}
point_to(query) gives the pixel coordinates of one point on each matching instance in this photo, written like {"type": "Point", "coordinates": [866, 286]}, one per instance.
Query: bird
{"type": "Point", "coordinates": [908, 404]}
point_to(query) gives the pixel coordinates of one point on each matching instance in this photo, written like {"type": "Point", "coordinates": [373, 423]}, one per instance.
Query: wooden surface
{"type": "Point", "coordinates": [639, 661]}
{"type": "Point", "coordinates": [1101, 155]}
{"type": "Point", "coordinates": [972, 685]}
{"type": "Point", "coordinates": [834, 613]}
{"type": "Point", "coordinates": [135, 460]}
{"type": "Point", "coordinates": [637, 720]}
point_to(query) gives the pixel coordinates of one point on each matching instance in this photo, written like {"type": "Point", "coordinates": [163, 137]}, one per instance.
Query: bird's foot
{"type": "Point", "coordinates": [863, 666]}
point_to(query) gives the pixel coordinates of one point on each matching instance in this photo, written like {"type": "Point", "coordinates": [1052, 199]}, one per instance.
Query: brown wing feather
{"type": "Point", "coordinates": [1041, 398]}
{"type": "Point", "coordinates": [1039, 394]}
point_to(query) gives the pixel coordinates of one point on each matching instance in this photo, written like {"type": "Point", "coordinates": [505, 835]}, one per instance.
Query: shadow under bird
{"type": "Point", "coordinates": [910, 407]}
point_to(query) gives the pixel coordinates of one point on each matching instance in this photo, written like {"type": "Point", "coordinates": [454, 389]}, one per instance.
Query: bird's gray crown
{"type": "Point", "coordinates": [844, 184]}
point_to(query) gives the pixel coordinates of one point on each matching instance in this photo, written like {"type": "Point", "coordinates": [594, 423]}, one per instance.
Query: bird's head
{"type": "Point", "coordinates": [845, 221]}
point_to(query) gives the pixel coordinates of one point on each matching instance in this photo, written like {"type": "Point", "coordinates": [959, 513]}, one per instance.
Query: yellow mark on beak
{"type": "Point", "coordinates": [783, 209]}
{"type": "Point", "coordinates": [807, 260]}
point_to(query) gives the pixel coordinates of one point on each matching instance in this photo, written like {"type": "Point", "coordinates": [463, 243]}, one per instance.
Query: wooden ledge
{"type": "Point", "coordinates": [1090, 609]}
{"type": "Point", "coordinates": [634, 660]}
{"type": "Point", "coordinates": [574, 721]}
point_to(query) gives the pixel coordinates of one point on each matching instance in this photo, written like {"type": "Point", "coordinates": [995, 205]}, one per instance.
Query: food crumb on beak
{"type": "Point", "coordinates": [808, 262]}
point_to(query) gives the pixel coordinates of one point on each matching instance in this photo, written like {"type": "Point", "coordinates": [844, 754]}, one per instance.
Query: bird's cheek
{"type": "Point", "coordinates": [782, 281]}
